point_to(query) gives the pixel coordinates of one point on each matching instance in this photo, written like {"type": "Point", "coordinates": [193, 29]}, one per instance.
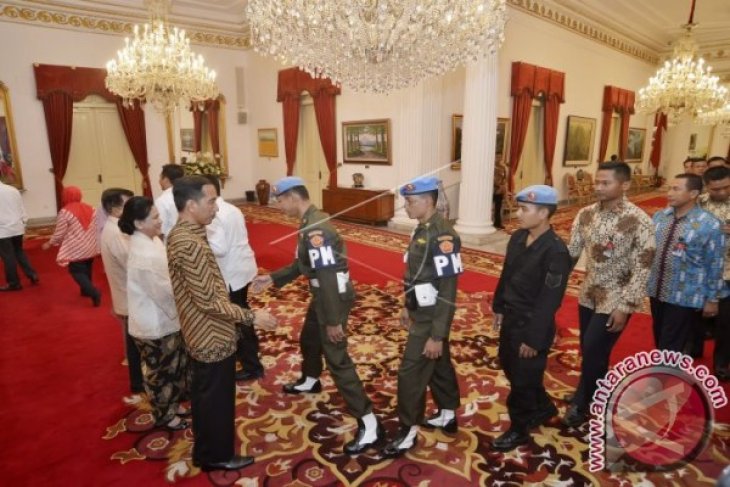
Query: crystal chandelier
{"type": "Point", "coordinates": [376, 45]}
{"type": "Point", "coordinates": [685, 85]}
{"type": "Point", "coordinates": [158, 66]}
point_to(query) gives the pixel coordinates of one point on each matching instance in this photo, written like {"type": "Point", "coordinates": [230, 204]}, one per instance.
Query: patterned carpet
{"type": "Point", "coordinates": [298, 441]}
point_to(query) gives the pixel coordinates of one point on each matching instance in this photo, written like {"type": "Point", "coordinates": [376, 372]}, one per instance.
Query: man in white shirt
{"type": "Point", "coordinates": [228, 238]}
{"type": "Point", "coordinates": [114, 253]}
{"type": "Point", "coordinates": [12, 228]}
{"type": "Point", "coordinates": [165, 203]}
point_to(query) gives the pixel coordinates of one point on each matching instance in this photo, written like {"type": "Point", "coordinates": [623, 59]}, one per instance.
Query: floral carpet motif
{"type": "Point", "coordinates": [297, 440]}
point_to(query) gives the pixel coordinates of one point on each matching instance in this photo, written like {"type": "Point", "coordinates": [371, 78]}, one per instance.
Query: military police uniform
{"type": "Point", "coordinates": [321, 257]}
{"type": "Point", "coordinates": [433, 264]}
{"type": "Point", "coordinates": [529, 292]}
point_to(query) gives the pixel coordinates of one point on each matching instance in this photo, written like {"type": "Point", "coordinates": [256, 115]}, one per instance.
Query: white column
{"type": "Point", "coordinates": [479, 135]}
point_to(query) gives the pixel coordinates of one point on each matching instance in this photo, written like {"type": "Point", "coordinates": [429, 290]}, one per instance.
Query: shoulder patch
{"type": "Point", "coordinates": [447, 256]}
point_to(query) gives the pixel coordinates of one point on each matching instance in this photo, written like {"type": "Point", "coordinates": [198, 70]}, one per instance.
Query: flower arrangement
{"type": "Point", "coordinates": [202, 163]}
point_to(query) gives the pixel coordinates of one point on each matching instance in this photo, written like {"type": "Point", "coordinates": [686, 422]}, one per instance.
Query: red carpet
{"type": "Point", "coordinates": [61, 385]}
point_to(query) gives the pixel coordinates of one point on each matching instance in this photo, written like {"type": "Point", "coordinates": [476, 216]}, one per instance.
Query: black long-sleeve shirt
{"type": "Point", "coordinates": [532, 286]}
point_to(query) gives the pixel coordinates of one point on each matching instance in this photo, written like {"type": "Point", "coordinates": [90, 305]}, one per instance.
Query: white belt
{"type": "Point", "coordinates": [342, 279]}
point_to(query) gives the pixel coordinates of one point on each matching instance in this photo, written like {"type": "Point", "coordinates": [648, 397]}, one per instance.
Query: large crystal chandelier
{"type": "Point", "coordinates": [685, 85]}
{"type": "Point", "coordinates": [158, 66]}
{"type": "Point", "coordinates": [376, 45]}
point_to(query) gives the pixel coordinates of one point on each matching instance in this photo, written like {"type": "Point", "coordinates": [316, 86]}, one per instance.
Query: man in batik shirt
{"type": "Point", "coordinates": [618, 238]}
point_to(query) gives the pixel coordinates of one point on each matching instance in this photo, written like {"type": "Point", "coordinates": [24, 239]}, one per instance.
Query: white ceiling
{"type": "Point", "coordinates": [649, 24]}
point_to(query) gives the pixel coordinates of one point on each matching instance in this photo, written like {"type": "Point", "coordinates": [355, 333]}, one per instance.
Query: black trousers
{"type": "Point", "coordinates": [497, 202]}
{"type": "Point", "coordinates": [213, 400]}
{"type": "Point", "coordinates": [134, 359]}
{"type": "Point", "coordinates": [698, 332]}
{"type": "Point", "coordinates": [12, 255]}
{"type": "Point", "coordinates": [721, 357]}
{"type": "Point", "coordinates": [81, 273]}
{"type": "Point", "coordinates": [596, 344]}
{"type": "Point", "coordinates": [527, 396]}
{"type": "Point", "coordinates": [672, 324]}
{"type": "Point", "coordinates": [247, 351]}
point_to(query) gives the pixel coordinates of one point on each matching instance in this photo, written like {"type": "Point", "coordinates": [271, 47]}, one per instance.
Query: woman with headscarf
{"type": "Point", "coordinates": [153, 321]}
{"type": "Point", "coordinates": [76, 234]}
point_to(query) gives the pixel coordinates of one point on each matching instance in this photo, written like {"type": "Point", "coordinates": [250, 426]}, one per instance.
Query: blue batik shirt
{"type": "Point", "coordinates": [688, 264]}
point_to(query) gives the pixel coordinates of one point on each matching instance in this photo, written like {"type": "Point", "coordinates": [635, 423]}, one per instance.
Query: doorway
{"type": "Point", "coordinates": [311, 165]}
{"type": "Point", "coordinates": [100, 157]}
{"type": "Point", "coordinates": [531, 169]}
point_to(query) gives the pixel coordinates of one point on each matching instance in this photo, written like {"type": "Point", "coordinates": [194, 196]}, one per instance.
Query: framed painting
{"type": "Point", "coordinates": [10, 172]}
{"type": "Point", "coordinates": [635, 145]}
{"type": "Point", "coordinates": [579, 138]}
{"type": "Point", "coordinates": [268, 143]}
{"type": "Point", "coordinates": [367, 142]}
{"type": "Point", "coordinates": [187, 140]}
{"type": "Point", "coordinates": [501, 146]}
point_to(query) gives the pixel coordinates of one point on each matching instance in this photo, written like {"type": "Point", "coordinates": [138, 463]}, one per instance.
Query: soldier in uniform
{"type": "Point", "coordinates": [321, 257]}
{"type": "Point", "coordinates": [433, 264]}
{"type": "Point", "coordinates": [529, 292]}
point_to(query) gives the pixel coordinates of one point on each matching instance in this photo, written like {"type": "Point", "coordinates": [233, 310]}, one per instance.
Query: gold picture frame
{"type": "Point", "coordinates": [579, 141]}
{"type": "Point", "coordinates": [635, 144]}
{"type": "Point", "coordinates": [10, 171]}
{"type": "Point", "coordinates": [268, 142]}
{"type": "Point", "coordinates": [501, 147]}
{"type": "Point", "coordinates": [367, 142]}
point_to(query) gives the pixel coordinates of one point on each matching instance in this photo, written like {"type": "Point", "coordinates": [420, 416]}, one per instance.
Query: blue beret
{"type": "Point", "coordinates": [539, 194]}
{"type": "Point", "coordinates": [285, 184]}
{"type": "Point", "coordinates": [420, 185]}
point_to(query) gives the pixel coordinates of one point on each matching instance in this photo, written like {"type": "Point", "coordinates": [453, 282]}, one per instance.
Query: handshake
{"type": "Point", "coordinates": [261, 283]}
{"type": "Point", "coordinates": [263, 318]}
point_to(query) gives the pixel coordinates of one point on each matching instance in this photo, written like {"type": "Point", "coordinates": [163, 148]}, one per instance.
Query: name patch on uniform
{"type": "Point", "coordinates": [321, 253]}
{"type": "Point", "coordinates": [447, 256]}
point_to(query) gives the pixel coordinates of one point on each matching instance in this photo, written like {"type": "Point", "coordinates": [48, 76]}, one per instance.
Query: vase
{"type": "Point", "coordinates": [262, 191]}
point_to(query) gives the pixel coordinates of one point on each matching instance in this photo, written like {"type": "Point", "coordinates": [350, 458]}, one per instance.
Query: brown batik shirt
{"type": "Point", "coordinates": [207, 316]}
{"type": "Point", "coordinates": [619, 246]}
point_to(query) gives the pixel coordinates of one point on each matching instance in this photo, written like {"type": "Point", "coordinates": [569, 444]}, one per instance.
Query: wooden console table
{"type": "Point", "coordinates": [377, 211]}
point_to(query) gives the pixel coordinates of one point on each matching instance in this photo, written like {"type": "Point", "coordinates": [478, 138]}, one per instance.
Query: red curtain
{"type": "Point", "coordinates": [521, 109]}
{"type": "Point", "coordinates": [660, 126]}
{"type": "Point", "coordinates": [134, 128]}
{"type": "Point", "coordinates": [616, 100]}
{"type": "Point", "coordinates": [528, 82]}
{"type": "Point", "coordinates": [292, 82]}
{"type": "Point", "coordinates": [212, 110]}
{"type": "Point", "coordinates": [197, 129]}
{"type": "Point", "coordinates": [324, 110]}
{"type": "Point", "coordinates": [550, 135]}
{"type": "Point", "coordinates": [58, 108]}
{"type": "Point", "coordinates": [58, 87]}
{"type": "Point", "coordinates": [290, 106]}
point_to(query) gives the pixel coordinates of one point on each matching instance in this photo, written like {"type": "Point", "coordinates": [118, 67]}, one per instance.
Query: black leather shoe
{"type": "Point", "coordinates": [542, 416]}
{"type": "Point", "coordinates": [395, 448]}
{"type": "Point", "coordinates": [574, 417]}
{"type": "Point", "coordinates": [451, 427]}
{"type": "Point", "coordinates": [236, 463]}
{"type": "Point", "coordinates": [11, 287]}
{"type": "Point", "coordinates": [291, 388]}
{"type": "Point", "coordinates": [357, 446]}
{"type": "Point", "coordinates": [96, 299]}
{"type": "Point", "coordinates": [34, 280]}
{"type": "Point", "coordinates": [245, 375]}
{"type": "Point", "coordinates": [510, 440]}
